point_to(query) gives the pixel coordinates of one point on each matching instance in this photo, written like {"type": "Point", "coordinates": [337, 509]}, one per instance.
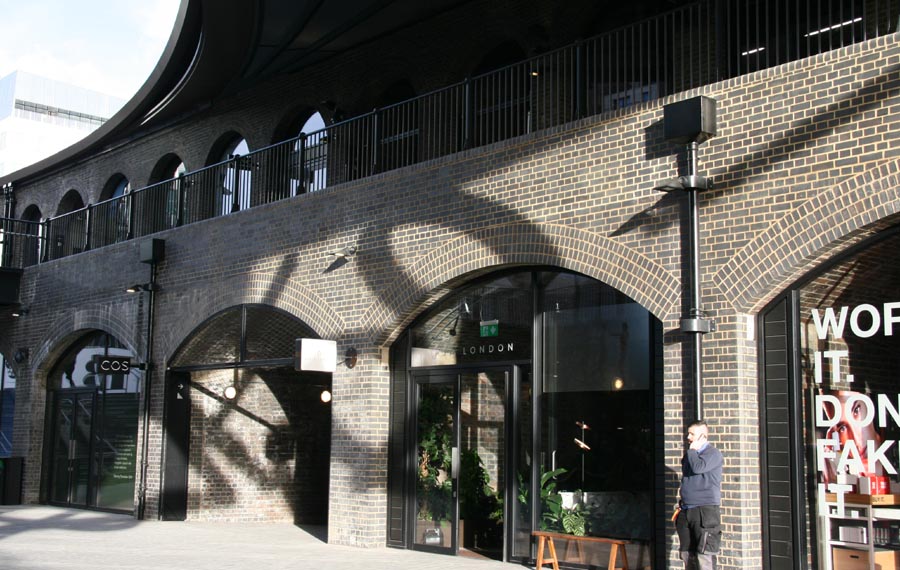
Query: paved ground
{"type": "Point", "coordinates": [50, 538]}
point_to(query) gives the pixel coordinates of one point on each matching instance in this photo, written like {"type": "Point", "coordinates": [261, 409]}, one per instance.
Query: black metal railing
{"type": "Point", "coordinates": [20, 242]}
{"type": "Point", "coordinates": [689, 47]}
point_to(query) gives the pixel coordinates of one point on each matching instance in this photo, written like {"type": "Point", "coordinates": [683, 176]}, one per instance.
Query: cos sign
{"type": "Point", "coordinates": [109, 365]}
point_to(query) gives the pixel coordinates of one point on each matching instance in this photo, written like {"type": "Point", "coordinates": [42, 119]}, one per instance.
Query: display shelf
{"type": "Point", "coordinates": [872, 526]}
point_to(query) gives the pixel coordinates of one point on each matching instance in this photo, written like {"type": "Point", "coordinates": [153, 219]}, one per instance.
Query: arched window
{"type": "Point", "coordinates": [66, 231]}
{"type": "Point", "coordinates": [32, 213]}
{"type": "Point", "coordinates": [115, 187]}
{"type": "Point", "coordinates": [828, 415]}
{"type": "Point", "coordinates": [309, 167]}
{"type": "Point", "coordinates": [157, 207]}
{"type": "Point", "coordinates": [236, 174]}
{"type": "Point", "coordinates": [526, 373]}
{"type": "Point", "coordinates": [93, 425]}
{"type": "Point", "coordinates": [31, 247]}
{"type": "Point", "coordinates": [70, 202]}
{"type": "Point", "coordinates": [110, 221]}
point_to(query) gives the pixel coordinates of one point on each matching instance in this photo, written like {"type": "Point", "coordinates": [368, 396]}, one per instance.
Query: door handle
{"type": "Point", "coordinates": [454, 462]}
{"type": "Point", "coordinates": [553, 461]}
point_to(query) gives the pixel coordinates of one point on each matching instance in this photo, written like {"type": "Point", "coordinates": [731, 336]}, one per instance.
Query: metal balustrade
{"type": "Point", "coordinates": [20, 242]}
{"type": "Point", "coordinates": [689, 47]}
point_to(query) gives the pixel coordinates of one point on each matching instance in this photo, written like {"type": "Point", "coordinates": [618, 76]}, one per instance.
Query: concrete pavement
{"type": "Point", "coordinates": [50, 538]}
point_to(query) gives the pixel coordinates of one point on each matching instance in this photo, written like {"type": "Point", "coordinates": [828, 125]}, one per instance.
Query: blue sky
{"type": "Point", "coordinates": [110, 46]}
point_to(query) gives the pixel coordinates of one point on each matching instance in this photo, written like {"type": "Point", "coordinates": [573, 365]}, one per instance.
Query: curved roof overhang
{"type": "Point", "coordinates": [219, 47]}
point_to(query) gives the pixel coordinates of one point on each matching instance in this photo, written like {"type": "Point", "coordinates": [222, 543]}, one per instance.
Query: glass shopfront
{"type": "Point", "coordinates": [530, 403]}
{"type": "Point", "coordinates": [93, 427]}
{"type": "Point", "coordinates": [849, 327]}
{"type": "Point", "coordinates": [831, 423]}
{"type": "Point", "coordinates": [7, 406]}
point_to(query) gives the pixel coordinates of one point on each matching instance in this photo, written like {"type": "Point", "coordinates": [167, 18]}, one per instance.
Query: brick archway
{"type": "Point", "coordinates": [809, 235]}
{"type": "Point", "coordinates": [489, 249]}
{"type": "Point", "coordinates": [257, 288]}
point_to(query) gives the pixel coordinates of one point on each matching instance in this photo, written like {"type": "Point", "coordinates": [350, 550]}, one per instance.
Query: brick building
{"type": "Point", "coordinates": [508, 289]}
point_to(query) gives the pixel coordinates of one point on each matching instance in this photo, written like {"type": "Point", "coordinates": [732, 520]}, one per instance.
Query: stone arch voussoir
{"type": "Point", "coordinates": [496, 247]}
{"type": "Point", "coordinates": [809, 235]}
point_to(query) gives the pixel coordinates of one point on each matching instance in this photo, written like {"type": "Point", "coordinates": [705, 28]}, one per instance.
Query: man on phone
{"type": "Point", "coordinates": [698, 519]}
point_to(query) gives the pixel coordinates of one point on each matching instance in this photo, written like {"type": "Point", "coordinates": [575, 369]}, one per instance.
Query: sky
{"type": "Point", "coordinates": [110, 46]}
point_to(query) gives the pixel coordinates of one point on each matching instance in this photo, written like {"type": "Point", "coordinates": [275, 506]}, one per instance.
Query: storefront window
{"type": "Point", "coordinates": [548, 373]}
{"type": "Point", "coordinates": [849, 326]}
{"type": "Point", "coordinates": [7, 407]}
{"type": "Point", "coordinates": [94, 427]}
{"type": "Point", "coordinates": [596, 414]}
{"type": "Point", "coordinates": [491, 322]}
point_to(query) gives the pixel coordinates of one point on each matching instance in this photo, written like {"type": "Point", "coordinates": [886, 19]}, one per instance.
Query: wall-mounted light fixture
{"type": "Point", "coordinates": [344, 252]}
{"type": "Point", "coordinates": [325, 396]}
{"type": "Point", "coordinates": [350, 357]}
{"type": "Point", "coordinates": [21, 355]}
{"type": "Point", "coordinates": [140, 287]}
{"type": "Point", "coordinates": [692, 122]}
{"type": "Point", "coordinates": [20, 312]}
{"type": "Point", "coordinates": [230, 392]}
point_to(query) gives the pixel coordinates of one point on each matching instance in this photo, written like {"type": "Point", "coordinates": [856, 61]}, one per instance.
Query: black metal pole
{"type": "Point", "coordinates": [696, 311]}
{"type": "Point", "coordinates": [148, 373]}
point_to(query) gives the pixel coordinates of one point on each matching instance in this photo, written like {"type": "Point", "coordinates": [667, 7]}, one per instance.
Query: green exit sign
{"type": "Point", "coordinates": [490, 328]}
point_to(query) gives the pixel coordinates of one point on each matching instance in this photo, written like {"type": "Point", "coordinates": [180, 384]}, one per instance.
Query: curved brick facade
{"type": "Point", "coordinates": [805, 164]}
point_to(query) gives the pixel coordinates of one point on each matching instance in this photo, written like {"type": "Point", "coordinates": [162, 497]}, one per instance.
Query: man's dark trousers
{"type": "Point", "coordinates": [699, 531]}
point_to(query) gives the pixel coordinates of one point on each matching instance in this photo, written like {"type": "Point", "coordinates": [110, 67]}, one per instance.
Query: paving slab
{"type": "Point", "coordinates": [51, 538]}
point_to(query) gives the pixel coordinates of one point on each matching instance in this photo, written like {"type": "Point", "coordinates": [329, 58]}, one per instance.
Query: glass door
{"type": "Point", "coordinates": [437, 463]}
{"type": "Point", "coordinates": [482, 476]}
{"type": "Point", "coordinates": [461, 461]}
{"type": "Point", "coordinates": [71, 468]}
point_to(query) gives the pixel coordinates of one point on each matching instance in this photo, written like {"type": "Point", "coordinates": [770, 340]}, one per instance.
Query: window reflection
{"type": "Point", "coordinates": [488, 322]}
{"type": "Point", "coordinates": [596, 440]}
{"type": "Point", "coordinates": [586, 361]}
{"type": "Point", "coordinates": [7, 407]}
{"type": "Point", "coordinates": [101, 470]}
{"type": "Point", "coordinates": [849, 341]}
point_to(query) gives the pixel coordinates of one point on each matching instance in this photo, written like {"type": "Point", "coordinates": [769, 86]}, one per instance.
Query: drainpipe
{"type": "Point", "coordinates": [692, 122]}
{"type": "Point", "coordinates": [152, 251]}
{"type": "Point", "coordinates": [9, 207]}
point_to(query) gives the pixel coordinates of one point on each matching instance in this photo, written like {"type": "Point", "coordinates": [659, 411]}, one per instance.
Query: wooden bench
{"type": "Point", "coordinates": [546, 538]}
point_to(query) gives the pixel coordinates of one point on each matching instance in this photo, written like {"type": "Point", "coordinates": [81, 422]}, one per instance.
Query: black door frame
{"type": "Point", "coordinates": [176, 453]}
{"type": "Point", "coordinates": [91, 491]}
{"type": "Point", "coordinates": [452, 374]}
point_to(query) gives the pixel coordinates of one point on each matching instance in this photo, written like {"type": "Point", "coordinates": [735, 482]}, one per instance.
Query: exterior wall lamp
{"type": "Point", "coordinates": [692, 122]}
{"type": "Point", "coordinates": [141, 287]}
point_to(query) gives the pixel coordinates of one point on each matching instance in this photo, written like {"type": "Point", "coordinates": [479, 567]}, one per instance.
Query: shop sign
{"type": "Point", "coordinates": [851, 451]}
{"type": "Point", "coordinates": [315, 355]}
{"type": "Point", "coordinates": [109, 364]}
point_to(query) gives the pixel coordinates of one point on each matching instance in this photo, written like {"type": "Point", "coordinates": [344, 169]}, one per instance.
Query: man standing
{"type": "Point", "coordinates": [698, 519]}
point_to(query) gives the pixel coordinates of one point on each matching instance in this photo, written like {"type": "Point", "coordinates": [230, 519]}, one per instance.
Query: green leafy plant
{"type": "Point", "coordinates": [551, 501]}
{"type": "Point", "coordinates": [434, 489]}
{"type": "Point", "coordinates": [480, 506]}
{"type": "Point", "coordinates": [554, 517]}
{"type": "Point", "coordinates": [573, 520]}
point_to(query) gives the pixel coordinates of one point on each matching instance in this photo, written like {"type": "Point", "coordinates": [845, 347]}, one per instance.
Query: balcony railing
{"type": "Point", "coordinates": [20, 242]}
{"type": "Point", "coordinates": [693, 46]}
